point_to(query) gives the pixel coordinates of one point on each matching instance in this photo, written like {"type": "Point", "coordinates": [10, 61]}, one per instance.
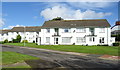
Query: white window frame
{"type": "Point", "coordinates": [80, 40]}
{"type": "Point", "coordinates": [102, 30]}
{"type": "Point", "coordinates": [80, 30]}
{"type": "Point", "coordinates": [66, 39]}
{"type": "Point", "coordinates": [47, 39]}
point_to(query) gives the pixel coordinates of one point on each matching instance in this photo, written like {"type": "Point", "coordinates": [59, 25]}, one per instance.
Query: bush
{"type": "Point", "coordinates": [115, 44]}
{"type": "Point", "coordinates": [25, 41]}
{"type": "Point", "coordinates": [10, 41]}
{"type": "Point", "coordinates": [15, 41]}
{"type": "Point", "coordinates": [1, 42]}
{"type": "Point", "coordinates": [6, 41]}
{"type": "Point", "coordinates": [18, 38]}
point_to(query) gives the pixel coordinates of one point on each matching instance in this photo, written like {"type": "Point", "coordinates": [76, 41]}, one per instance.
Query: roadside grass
{"type": "Point", "coordinates": [103, 50]}
{"type": "Point", "coordinates": [12, 57]}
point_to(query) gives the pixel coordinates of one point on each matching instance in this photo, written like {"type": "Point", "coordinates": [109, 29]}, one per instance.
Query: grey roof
{"type": "Point", "coordinates": [76, 23]}
{"type": "Point", "coordinates": [4, 31]}
{"type": "Point", "coordinates": [27, 29]}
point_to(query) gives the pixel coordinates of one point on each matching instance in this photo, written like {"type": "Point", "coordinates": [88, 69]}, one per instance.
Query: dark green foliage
{"type": "Point", "coordinates": [10, 41]}
{"type": "Point", "coordinates": [117, 37]}
{"type": "Point", "coordinates": [58, 18]}
{"type": "Point", "coordinates": [6, 41]}
{"type": "Point", "coordinates": [115, 44]}
{"type": "Point", "coordinates": [25, 41]}
{"type": "Point", "coordinates": [15, 41]}
{"type": "Point", "coordinates": [18, 38]}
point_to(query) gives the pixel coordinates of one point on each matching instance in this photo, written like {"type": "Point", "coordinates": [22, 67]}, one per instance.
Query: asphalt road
{"type": "Point", "coordinates": [53, 60]}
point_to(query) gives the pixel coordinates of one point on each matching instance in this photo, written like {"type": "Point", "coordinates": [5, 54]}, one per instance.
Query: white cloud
{"type": "Point", "coordinates": [90, 5]}
{"type": "Point", "coordinates": [10, 27]}
{"type": "Point", "coordinates": [1, 22]}
{"type": "Point", "coordinates": [71, 14]}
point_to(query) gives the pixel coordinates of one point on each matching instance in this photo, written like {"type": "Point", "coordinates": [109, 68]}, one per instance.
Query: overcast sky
{"type": "Point", "coordinates": [35, 13]}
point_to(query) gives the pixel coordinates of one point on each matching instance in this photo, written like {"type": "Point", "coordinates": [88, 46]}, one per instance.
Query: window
{"type": "Point", "coordinates": [66, 40]}
{"type": "Point", "coordinates": [47, 39]}
{"type": "Point", "coordinates": [48, 30]}
{"type": "Point", "coordinates": [80, 40]}
{"type": "Point", "coordinates": [80, 30]}
{"type": "Point", "coordinates": [66, 30]}
{"type": "Point", "coordinates": [102, 30]}
{"type": "Point", "coordinates": [101, 40]}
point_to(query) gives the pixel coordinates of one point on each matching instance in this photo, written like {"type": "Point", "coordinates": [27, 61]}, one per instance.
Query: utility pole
{"type": "Point", "coordinates": [24, 36]}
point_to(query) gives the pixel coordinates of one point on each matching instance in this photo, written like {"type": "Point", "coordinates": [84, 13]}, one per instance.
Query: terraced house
{"type": "Point", "coordinates": [65, 32]}
{"type": "Point", "coordinates": [76, 32]}
{"type": "Point", "coordinates": [27, 33]}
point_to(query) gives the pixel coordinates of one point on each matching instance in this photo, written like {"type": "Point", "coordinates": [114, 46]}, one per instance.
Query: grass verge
{"type": "Point", "coordinates": [106, 50]}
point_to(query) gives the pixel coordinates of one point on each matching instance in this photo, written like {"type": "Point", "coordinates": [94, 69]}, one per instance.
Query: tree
{"type": "Point", "coordinates": [18, 38]}
{"type": "Point", "coordinates": [6, 41]}
{"type": "Point", "coordinates": [58, 18]}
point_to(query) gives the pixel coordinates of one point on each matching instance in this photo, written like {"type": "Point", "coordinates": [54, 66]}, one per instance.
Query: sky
{"type": "Point", "coordinates": [36, 13]}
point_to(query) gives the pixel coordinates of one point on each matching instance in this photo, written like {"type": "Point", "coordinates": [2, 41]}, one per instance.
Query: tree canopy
{"type": "Point", "coordinates": [58, 18]}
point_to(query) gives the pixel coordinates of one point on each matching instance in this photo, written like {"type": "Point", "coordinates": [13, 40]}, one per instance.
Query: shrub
{"type": "Point", "coordinates": [25, 41]}
{"type": "Point", "coordinates": [10, 41]}
{"type": "Point", "coordinates": [115, 44]}
{"type": "Point", "coordinates": [18, 38]}
{"type": "Point", "coordinates": [15, 41]}
{"type": "Point", "coordinates": [1, 42]}
{"type": "Point", "coordinates": [6, 41]}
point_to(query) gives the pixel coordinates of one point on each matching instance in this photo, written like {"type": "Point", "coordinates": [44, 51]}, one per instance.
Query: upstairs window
{"type": "Point", "coordinates": [67, 30]}
{"type": "Point", "coordinates": [48, 30]}
{"type": "Point", "coordinates": [102, 30]}
{"type": "Point", "coordinates": [80, 30]}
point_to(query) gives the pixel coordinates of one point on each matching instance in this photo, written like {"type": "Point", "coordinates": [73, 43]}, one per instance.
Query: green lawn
{"type": "Point", "coordinates": [12, 57]}
{"type": "Point", "coordinates": [75, 48]}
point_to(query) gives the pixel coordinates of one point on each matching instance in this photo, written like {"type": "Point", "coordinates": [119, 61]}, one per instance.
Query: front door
{"type": "Point", "coordinates": [92, 40]}
{"type": "Point", "coordinates": [56, 41]}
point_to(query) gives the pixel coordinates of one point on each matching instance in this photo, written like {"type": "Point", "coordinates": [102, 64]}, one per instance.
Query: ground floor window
{"type": "Point", "coordinates": [66, 40]}
{"type": "Point", "coordinates": [80, 40]}
{"type": "Point", "coordinates": [47, 39]}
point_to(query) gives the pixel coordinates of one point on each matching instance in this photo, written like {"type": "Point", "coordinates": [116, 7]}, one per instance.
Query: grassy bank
{"type": "Point", "coordinates": [74, 48]}
{"type": "Point", "coordinates": [12, 57]}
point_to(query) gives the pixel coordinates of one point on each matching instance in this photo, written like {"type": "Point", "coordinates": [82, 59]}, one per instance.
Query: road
{"type": "Point", "coordinates": [62, 60]}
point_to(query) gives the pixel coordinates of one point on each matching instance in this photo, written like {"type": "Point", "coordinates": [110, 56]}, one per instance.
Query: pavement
{"type": "Point", "coordinates": [66, 59]}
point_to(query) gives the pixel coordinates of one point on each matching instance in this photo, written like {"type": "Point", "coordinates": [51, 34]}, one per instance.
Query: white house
{"type": "Point", "coordinates": [75, 32]}
{"type": "Point", "coordinates": [4, 35]}
{"type": "Point", "coordinates": [27, 33]}
{"type": "Point", "coordinates": [116, 28]}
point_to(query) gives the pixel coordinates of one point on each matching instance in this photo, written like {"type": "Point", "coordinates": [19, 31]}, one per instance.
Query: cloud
{"type": "Point", "coordinates": [1, 22]}
{"type": "Point", "coordinates": [90, 5]}
{"type": "Point", "coordinates": [10, 27]}
{"type": "Point", "coordinates": [71, 14]}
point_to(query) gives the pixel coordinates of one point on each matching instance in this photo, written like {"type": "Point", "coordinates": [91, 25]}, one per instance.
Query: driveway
{"type": "Point", "coordinates": [62, 60]}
